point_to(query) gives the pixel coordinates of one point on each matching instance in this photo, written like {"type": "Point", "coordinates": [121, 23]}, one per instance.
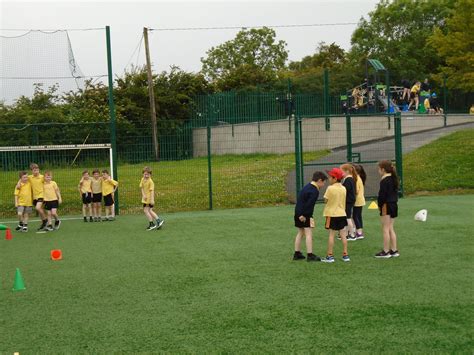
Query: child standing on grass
{"type": "Point", "coordinates": [304, 216]}
{"type": "Point", "coordinates": [23, 202]}
{"type": "Point", "coordinates": [360, 201]}
{"type": "Point", "coordinates": [147, 187]}
{"type": "Point", "coordinates": [388, 207]}
{"type": "Point", "coordinates": [85, 189]}
{"type": "Point", "coordinates": [335, 213]}
{"type": "Point", "coordinates": [109, 186]}
{"type": "Point", "coordinates": [96, 186]}
{"type": "Point", "coordinates": [52, 200]}
{"type": "Point", "coordinates": [349, 182]}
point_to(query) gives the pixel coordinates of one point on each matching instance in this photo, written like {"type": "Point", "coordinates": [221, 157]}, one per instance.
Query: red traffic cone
{"type": "Point", "coordinates": [8, 234]}
{"type": "Point", "coordinates": [56, 254]}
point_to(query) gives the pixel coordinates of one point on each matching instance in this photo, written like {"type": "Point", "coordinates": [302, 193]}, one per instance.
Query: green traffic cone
{"type": "Point", "coordinates": [18, 284]}
{"type": "Point", "coordinates": [3, 227]}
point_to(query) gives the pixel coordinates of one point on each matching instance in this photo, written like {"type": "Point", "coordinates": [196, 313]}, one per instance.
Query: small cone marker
{"type": "Point", "coordinates": [56, 254]}
{"type": "Point", "coordinates": [8, 234]}
{"type": "Point", "coordinates": [373, 206]}
{"type": "Point", "coordinates": [421, 215]}
{"type": "Point", "coordinates": [18, 284]}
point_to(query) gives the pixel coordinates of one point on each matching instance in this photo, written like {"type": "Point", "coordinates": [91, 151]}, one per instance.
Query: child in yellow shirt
{"type": "Point", "coordinates": [147, 187]}
{"type": "Point", "coordinates": [109, 186]}
{"type": "Point", "coordinates": [23, 201]}
{"type": "Point", "coordinates": [52, 200]}
{"type": "Point", "coordinates": [85, 190]}
{"type": "Point", "coordinates": [96, 186]}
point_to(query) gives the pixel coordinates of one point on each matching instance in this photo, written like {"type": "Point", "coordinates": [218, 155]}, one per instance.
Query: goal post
{"type": "Point", "coordinates": [67, 162]}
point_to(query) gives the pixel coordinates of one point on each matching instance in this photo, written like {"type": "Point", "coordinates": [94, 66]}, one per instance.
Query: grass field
{"type": "Point", "coordinates": [223, 281]}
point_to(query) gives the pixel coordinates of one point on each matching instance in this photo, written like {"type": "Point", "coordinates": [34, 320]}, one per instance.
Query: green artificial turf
{"type": "Point", "coordinates": [223, 281]}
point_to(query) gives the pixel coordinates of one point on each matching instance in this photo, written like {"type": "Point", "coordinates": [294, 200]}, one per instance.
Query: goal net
{"type": "Point", "coordinates": [66, 163]}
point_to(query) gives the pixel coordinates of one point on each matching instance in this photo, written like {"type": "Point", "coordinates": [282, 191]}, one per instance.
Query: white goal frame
{"type": "Point", "coordinates": [78, 147]}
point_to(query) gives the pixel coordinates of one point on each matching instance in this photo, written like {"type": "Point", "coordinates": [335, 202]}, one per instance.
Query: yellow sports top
{"type": "Point", "coordinates": [86, 186]}
{"type": "Point", "coordinates": [25, 197]}
{"type": "Point", "coordinates": [108, 186]}
{"type": "Point", "coordinates": [336, 201]}
{"type": "Point", "coordinates": [360, 198]}
{"type": "Point", "coordinates": [36, 185]}
{"type": "Point", "coordinates": [50, 191]}
{"type": "Point", "coordinates": [148, 187]}
{"type": "Point", "coordinates": [96, 185]}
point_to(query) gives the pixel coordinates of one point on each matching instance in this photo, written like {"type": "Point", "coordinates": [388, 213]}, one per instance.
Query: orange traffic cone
{"type": "Point", "coordinates": [56, 254]}
{"type": "Point", "coordinates": [8, 234]}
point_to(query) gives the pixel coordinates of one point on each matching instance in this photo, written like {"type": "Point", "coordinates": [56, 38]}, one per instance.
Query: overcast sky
{"type": "Point", "coordinates": [181, 48]}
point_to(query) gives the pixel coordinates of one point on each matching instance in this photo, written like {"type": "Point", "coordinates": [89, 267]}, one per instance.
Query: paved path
{"type": "Point", "coordinates": [374, 151]}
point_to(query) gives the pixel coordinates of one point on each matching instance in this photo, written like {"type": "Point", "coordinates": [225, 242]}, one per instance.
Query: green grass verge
{"type": "Point", "coordinates": [443, 166]}
{"type": "Point", "coordinates": [223, 281]}
{"type": "Point", "coordinates": [252, 180]}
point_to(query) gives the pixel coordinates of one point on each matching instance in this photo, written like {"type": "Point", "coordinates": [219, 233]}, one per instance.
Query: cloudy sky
{"type": "Point", "coordinates": [181, 48]}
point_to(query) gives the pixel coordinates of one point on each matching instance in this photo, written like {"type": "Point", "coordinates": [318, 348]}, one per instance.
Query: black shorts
{"type": "Point", "coordinates": [37, 200]}
{"type": "Point", "coordinates": [413, 95]}
{"type": "Point", "coordinates": [97, 197]}
{"type": "Point", "coordinates": [305, 224]}
{"type": "Point", "coordinates": [148, 205]}
{"type": "Point", "coordinates": [336, 223]}
{"type": "Point", "coordinates": [109, 200]}
{"type": "Point", "coordinates": [87, 198]}
{"type": "Point", "coordinates": [349, 208]}
{"type": "Point", "coordinates": [49, 205]}
{"type": "Point", "coordinates": [390, 209]}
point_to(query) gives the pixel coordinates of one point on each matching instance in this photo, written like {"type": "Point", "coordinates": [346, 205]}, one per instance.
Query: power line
{"type": "Point", "coordinates": [250, 27]}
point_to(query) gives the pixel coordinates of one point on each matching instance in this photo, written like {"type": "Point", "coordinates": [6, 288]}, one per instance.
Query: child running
{"type": "Point", "coordinates": [359, 202]}
{"type": "Point", "coordinates": [335, 213]}
{"type": "Point", "coordinates": [349, 182]}
{"type": "Point", "coordinates": [304, 216]}
{"type": "Point", "coordinates": [109, 186]}
{"type": "Point", "coordinates": [23, 202]}
{"type": "Point", "coordinates": [147, 187]}
{"type": "Point", "coordinates": [96, 186]}
{"type": "Point", "coordinates": [388, 207]}
{"type": "Point", "coordinates": [52, 200]}
{"type": "Point", "coordinates": [85, 190]}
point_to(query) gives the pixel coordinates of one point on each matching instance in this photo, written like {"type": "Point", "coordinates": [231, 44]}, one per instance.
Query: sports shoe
{"type": "Point", "coordinates": [346, 258]}
{"type": "Point", "coordinates": [383, 255]}
{"type": "Point", "coordinates": [359, 236]}
{"type": "Point", "coordinates": [351, 238]}
{"type": "Point", "coordinates": [24, 229]}
{"type": "Point", "coordinates": [159, 223]}
{"type": "Point", "coordinates": [339, 237]}
{"type": "Point", "coordinates": [91, 219]}
{"type": "Point", "coordinates": [151, 227]}
{"type": "Point", "coordinates": [49, 228]}
{"type": "Point", "coordinates": [41, 228]}
{"type": "Point", "coordinates": [99, 219]}
{"type": "Point", "coordinates": [328, 259]}
{"type": "Point", "coordinates": [313, 257]}
{"type": "Point", "coordinates": [394, 253]}
{"type": "Point", "coordinates": [85, 219]}
{"type": "Point", "coordinates": [105, 219]}
{"type": "Point", "coordinates": [57, 224]}
{"type": "Point", "coordinates": [298, 256]}
{"type": "Point", "coordinates": [111, 219]}
{"type": "Point", "coordinates": [19, 227]}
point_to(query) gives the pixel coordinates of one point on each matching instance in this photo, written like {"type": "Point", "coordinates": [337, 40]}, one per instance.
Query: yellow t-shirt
{"type": "Point", "coordinates": [415, 89]}
{"type": "Point", "coordinates": [25, 197]}
{"type": "Point", "coordinates": [426, 103]}
{"type": "Point", "coordinates": [336, 201]}
{"type": "Point", "coordinates": [50, 191]}
{"type": "Point", "coordinates": [360, 198]}
{"type": "Point", "coordinates": [36, 185]}
{"type": "Point", "coordinates": [148, 187]}
{"type": "Point", "coordinates": [108, 186]}
{"type": "Point", "coordinates": [86, 186]}
{"type": "Point", "coordinates": [96, 185]}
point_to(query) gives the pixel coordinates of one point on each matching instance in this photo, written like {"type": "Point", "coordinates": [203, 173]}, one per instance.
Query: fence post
{"type": "Point", "coordinates": [209, 157]}
{"type": "Point", "coordinates": [113, 129]}
{"type": "Point", "coordinates": [297, 155]}
{"type": "Point", "coordinates": [349, 137]}
{"type": "Point", "coordinates": [300, 131]}
{"type": "Point", "coordinates": [326, 100]}
{"type": "Point", "coordinates": [398, 149]}
{"type": "Point", "coordinates": [445, 96]}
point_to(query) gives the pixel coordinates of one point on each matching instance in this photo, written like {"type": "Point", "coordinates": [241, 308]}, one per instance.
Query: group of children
{"type": "Point", "coordinates": [344, 200]}
{"type": "Point", "coordinates": [43, 193]}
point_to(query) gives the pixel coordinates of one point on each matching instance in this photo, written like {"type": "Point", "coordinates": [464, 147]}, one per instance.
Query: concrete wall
{"type": "Point", "coordinates": [278, 136]}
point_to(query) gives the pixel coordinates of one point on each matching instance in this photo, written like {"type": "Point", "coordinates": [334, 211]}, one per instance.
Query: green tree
{"type": "Point", "coordinates": [396, 33]}
{"type": "Point", "coordinates": [252, 58]}
{"type": "Point", "coordinates": [455, 46]}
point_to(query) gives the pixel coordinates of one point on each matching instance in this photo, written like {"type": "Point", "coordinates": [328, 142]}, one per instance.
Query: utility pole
{"type": "Point", "coordinates": [151, 94]}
